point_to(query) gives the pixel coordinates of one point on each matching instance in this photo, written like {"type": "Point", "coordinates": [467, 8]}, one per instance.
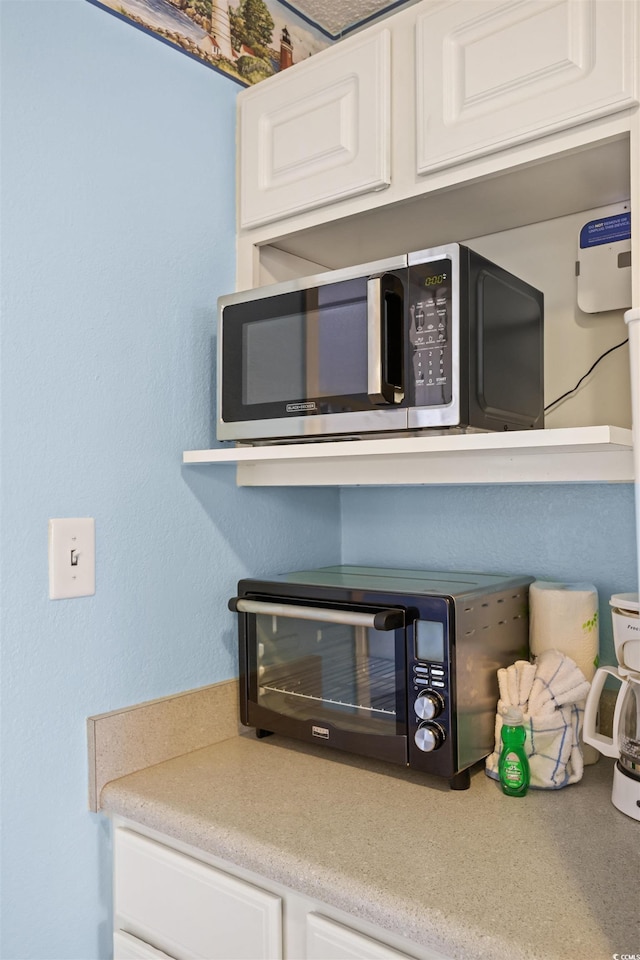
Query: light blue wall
{"type": "Point", "coordinates": [566, 532]}
{"type": "Point", "coordinates": [117, 236]}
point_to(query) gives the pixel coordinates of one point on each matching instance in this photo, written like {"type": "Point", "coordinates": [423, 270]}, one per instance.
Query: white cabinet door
{"type": "Point", "coordinates": [316, 133]}
{"type": "Point", "coordinates": [328, 940]}
{"type": "Point", "coordinates": [492, 73]}
{"type": "Point", "coordinates": [190, 909]}
{"type": "Point", "coordinates": [126, 947]}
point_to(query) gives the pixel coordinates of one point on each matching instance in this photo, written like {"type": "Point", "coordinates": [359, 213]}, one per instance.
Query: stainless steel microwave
{"type": "Point", "coordinates": [400, 665]}
{"type": "Point", "coordinates": [437, 339]}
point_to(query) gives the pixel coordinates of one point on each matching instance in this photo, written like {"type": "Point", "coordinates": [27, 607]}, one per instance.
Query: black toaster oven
{"type": "Point", "coordinates": [400, 665]}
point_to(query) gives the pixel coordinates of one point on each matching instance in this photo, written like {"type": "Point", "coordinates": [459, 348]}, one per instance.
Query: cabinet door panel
{"type": "Point", "coordinates": [126, 947]}
{"type": "Point", "coordinates": [491, 74]}
{"type": "Point", "coordinates": [318, 134]}
{"type": "Point", "coordinates": [328, 940]}
{"type": "Point", "coordinates": [189, 908]}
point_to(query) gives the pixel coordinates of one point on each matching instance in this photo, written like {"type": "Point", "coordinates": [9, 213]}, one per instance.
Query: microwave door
{"type": "Point", "coordinates": [317, 359]}
{"type": "Point", "coordinates": [329, 676]}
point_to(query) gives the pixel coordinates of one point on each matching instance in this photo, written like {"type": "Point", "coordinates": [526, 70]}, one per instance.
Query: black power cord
{"type": "Point", "coordinates": [584, 377]}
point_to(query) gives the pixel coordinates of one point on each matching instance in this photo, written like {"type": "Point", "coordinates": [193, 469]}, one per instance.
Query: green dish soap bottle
{"type": "Point", "coordinates": [513, 766]}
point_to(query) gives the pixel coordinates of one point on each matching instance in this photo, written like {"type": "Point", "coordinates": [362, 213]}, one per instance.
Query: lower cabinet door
{"type": "Point", "coordinates": [328, 940]}
{"type": "Point", "coordinates": [126, 947]}
{"type": "Point", "coordinates": [190, 909]}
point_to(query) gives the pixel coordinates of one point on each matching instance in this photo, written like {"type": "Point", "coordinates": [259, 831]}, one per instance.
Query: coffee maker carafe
{"type": "Point", "coordinates": [624, 744]}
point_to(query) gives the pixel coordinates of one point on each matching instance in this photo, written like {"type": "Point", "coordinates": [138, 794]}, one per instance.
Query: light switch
{"type": "Point", "coordinates": [72, 558]}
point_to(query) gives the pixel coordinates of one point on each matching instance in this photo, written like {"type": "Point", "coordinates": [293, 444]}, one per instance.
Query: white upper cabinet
{"type": "Point", "coordinates": [446, 91]}
{"type": "Point", "coordinates": [491, 74]}
{"type": "Point", "coordinates": [316, 133]}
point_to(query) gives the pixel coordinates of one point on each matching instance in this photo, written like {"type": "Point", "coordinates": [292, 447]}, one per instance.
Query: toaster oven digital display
{"type": "Point", "coordinates": [429, 636]}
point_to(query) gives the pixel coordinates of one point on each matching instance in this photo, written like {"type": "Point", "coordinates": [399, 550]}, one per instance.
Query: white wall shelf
{"type": "Point", "coordinates": [569, 455]}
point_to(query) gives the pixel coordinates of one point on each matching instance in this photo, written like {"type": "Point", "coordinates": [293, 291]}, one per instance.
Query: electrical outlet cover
{"type": "Point", "coordinates": [603, 267]}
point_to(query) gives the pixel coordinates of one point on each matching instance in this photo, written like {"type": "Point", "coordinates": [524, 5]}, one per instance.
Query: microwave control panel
{"type": "Point", "coordinates": [430, 311]}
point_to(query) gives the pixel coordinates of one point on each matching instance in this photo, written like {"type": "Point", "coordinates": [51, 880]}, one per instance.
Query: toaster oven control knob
{"type": "Point", "coordinates": [428, 704]}
{"type": "Point", "coordinates": [429, 736]}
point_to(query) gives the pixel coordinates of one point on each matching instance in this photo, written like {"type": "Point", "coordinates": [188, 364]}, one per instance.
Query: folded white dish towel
{"type": "Point", "coordinates": [551, 693]}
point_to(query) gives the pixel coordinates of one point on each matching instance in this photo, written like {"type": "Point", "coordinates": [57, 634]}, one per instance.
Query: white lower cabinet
{"type": "Point", "coordinates": [189, 909]}
{"type": "Point", "coordinates": [126, 947]}
{"type": "Point", "coordinates": [169, 903]}
{"type": "Point", "coordinates": [328, 940]}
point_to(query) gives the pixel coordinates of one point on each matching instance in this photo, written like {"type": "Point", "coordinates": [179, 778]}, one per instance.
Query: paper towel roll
{"type": "Point", "coordinates": [564, 617]}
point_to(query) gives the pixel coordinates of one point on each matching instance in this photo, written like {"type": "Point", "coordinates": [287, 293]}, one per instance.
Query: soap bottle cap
{"type": "Point", "coordinates": [512, 716]}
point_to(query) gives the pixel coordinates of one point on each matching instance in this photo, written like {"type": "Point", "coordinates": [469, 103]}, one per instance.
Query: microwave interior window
{"type": "Point", "coordinates": [311, 670]}
{"type": "Point", "coordinates": [311, 353]}
{"type": "Point", "coordinates": [273, 353]}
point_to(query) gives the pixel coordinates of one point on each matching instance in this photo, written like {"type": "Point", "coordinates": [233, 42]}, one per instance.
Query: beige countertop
{"type": "Point", "coordinates": [474, 874]}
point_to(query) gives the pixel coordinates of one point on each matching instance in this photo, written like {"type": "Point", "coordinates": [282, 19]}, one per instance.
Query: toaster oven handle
{"type": "Point", "coordinates": [385, 339]}
{"type": "Point", "coordinates": [382, 620]}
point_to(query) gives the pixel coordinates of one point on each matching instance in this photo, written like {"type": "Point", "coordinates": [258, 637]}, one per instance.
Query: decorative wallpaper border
{"type": "Point", "coordinates": [247, 40]}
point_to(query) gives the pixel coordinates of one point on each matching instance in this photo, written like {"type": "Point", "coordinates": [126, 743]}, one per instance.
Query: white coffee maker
{"type": "Point", "coordinates": [624, 744]}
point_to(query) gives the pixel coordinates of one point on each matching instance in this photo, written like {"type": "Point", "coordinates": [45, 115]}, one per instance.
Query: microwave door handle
{"type": "Point", "coordinates": [385, 340]}
{"type": "Point", "coordinates": [382, 620]}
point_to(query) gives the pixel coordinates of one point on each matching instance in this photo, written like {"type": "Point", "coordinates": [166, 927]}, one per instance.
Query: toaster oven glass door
{"type": "Point", "coordinates": [336, 671]}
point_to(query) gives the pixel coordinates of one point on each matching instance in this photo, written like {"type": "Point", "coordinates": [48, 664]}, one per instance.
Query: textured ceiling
{"type": "Point", "coordinates": [335, 16]}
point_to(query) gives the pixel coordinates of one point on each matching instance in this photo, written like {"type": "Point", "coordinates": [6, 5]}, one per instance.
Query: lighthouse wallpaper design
{"type": "Point", "coordinates": [247, 39]}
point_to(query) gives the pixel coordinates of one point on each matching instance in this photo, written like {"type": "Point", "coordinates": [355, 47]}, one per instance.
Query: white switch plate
{"type": "Point", "coordinates": [72, 558]}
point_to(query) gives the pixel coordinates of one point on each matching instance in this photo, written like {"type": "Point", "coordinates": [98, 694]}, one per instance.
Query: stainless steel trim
{"type": "Point", "coordinates": [447, 415]}
{"type": "Point", "coordinates": [317, 280]}
{"type": "Point", "coordinates": [492, 630]}
{"type": "Point", "coordinates": [331, 424]}
{"type": "Point", "coordinates": [350, 618]}
{"type": "Point", "coordinates": [434, 253]}
{"type": "Point", "coordinates": [374, 341]}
